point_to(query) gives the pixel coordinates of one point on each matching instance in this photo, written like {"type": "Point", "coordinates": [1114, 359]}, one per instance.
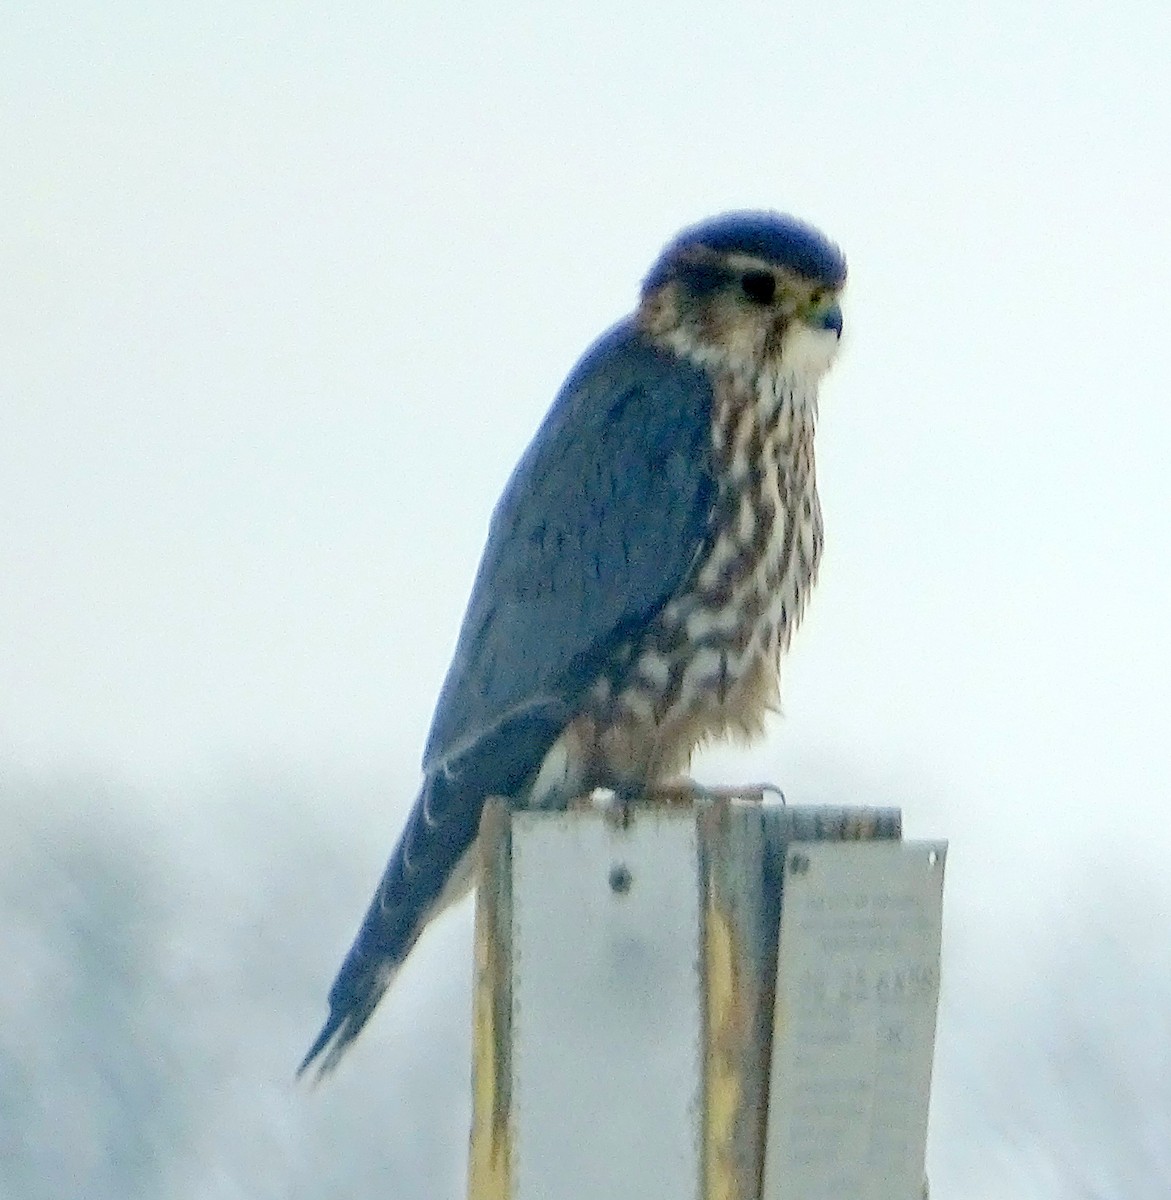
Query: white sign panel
{"type": "Point", "coordinates": [857, 990]}
{"type": "Point", "coordinates": [607, 1007]}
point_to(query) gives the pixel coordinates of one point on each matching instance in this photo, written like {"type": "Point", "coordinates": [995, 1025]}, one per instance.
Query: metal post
{"type": "Point", "coordinates": [627, 991]}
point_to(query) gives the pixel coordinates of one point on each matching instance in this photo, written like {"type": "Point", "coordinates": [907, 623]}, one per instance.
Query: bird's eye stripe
{"type": "Point", "coordinates": [703, 278]}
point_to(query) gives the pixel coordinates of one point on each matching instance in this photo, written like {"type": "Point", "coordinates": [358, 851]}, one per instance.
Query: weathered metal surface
{"type": "Point", "coordinates": [606, 1056]}
{"type": "Point", "coordinates": [857, 991]}
{"type": "Point", "coordinates": [744, 846]}
{"type": "Point", "coordinates": [735, 941]}
{"type": "Point", "coordinates": [490, 1142]}
{"type": "Point", "coordinates": [625, 983]}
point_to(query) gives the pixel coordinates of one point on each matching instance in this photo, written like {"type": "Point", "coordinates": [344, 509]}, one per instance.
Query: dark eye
{"type": "Point", "coordinates": [759, 286]}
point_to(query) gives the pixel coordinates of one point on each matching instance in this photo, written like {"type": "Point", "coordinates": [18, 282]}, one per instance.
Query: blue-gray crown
{"type": "Point", "coordinates": [774, 237]}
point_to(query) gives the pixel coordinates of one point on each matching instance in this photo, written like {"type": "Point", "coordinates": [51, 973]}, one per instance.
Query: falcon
{"type": "Point", "coordinates": [645, 568]}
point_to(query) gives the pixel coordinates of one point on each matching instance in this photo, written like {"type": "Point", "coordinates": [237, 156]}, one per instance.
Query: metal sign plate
{"type": "Point", "coordinates": [854, 1035]}
{"type": "Point", "coordinates": [607, 1067]}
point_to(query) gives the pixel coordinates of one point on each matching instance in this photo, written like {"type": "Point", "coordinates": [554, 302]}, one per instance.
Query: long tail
{"type": "Point", "coordinates": [423, 874]}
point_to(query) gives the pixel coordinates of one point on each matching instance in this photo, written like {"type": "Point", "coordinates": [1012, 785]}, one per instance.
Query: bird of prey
{"type": "Point", "coordinates": [644, 570]}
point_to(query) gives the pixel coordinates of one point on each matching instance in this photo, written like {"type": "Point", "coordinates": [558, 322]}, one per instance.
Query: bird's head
{"type": "Point", "coordinates": [749, 292]}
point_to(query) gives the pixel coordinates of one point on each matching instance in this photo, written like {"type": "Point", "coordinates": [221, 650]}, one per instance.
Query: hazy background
{"type": "Point", "coordinates": [284, 290]}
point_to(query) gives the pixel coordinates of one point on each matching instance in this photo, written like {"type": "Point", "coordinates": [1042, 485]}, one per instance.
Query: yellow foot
{"type": "Point", "coordinates": [683, 792]}
{"type": "Point", "coordinates": [620, 807]}
{"type": "Point", "coordinates": [686, 791]}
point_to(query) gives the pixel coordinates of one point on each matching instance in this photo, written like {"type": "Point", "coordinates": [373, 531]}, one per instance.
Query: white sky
{"type": "Point", "coordinates": [285, 289]}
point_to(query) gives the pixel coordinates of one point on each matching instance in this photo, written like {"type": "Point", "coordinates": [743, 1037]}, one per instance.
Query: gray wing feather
{"type": "Point", "coordinates": [598, 527]}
